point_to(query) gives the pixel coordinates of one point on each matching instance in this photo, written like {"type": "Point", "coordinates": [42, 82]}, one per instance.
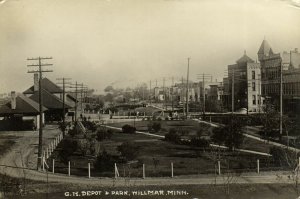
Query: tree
{"type": "Point", "coordinates": [231, 135]}
{"type": "Point", "coordinates": [218, 136]}
{"type": "Point", "coordinates": [108, 97]}
{"type": "Point", "coordinates": [128, 150]}
{"type": "Point", "coordinates": [109, 89]}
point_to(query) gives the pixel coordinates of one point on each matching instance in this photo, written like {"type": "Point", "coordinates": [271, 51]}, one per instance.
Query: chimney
{"type": "Point", "coordinates": [35, 82]}
{"type": "Point", "coordinates": [13, 100]}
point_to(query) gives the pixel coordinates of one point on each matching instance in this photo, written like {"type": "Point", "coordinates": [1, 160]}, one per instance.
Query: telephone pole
{"type": "Point", "coordinates": [187, 88]}
{"type": "Point", "coordinates": [232, 92]}
{"type": "Point", "coordinates": [63, 104]}
{"type": "Point", "coordinates": [204, 78]}
{"type": "Point", "coordinates": [78, 89]}
{"type": "Point", "coordinates": [150, 96]}
{"type": "Point", "coordinates": [40, 72]}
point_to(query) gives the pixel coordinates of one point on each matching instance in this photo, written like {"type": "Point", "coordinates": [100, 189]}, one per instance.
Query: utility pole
{"type": "Point", "coordinates": [203, 84]}
{"type": "Point", "coordinates": [187, 88]}
{"type": "Point", "coordinates": [281, 92]}
{"type": "Point", "coordinates": [150, 96]}
{"type": "Point", "coordinates": [78, 88]}
{"type": "Point", "coordinates": [232, 92]}
{"type": "Point", "coordinates": [204, 78]}
{"type": "Point", "coordinates": [182, 96]}
{"type": "Point", "coordinates": [172, 95]}
{"type": "Point", "coordinates": [63, 104]}
{"type": "Point", "coordinates": [164, 90]}
{"type": "Point", "coordinates": [40, 71]}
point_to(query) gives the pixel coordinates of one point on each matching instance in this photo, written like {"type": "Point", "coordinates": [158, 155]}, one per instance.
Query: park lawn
{"type": "Point", "coordinates": [251, 144]}
{"type": "Point", "coordinates": [185, 127]}
{"type": "Point", "coordinates": [192, 127]}
{"type": "Point", "coordinates": [184, 158]}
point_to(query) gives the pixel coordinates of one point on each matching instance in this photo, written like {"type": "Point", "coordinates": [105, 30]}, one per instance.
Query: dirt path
{"type": "Point", "coordinates": [24, 152]}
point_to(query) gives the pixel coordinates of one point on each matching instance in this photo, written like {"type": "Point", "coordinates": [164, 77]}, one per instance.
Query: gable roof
{"type": "Point", "coordinates": [47, 85]}
{"type": "Point", "coordinates": [265, 48]}
{"type": "Point", "coordinates": [24, 105]}
{"type": "Point", "coordinates": [49, 100]}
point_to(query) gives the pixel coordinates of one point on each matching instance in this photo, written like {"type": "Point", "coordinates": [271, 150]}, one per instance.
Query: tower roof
{"type": "Point", "coordinates": [245, 59]}
{"type": "Point", "coordinates": [265, 48]}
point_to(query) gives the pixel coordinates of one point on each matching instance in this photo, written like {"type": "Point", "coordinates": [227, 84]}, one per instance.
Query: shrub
{"type": "Point", "coordinates": [89, 125]}
{"type": "Point", "coordinates": [156, 126]}
{"type": "Point", "coordinates": [199, 142]}
{"type": "Point", "coordinates": [104, 162]}
{"type": "Point", "coordinates": [128, 150]}
{"type": "Point", "coordinates": [283, 157]}
{"type": "Point", "coordinates": [128, 129]}
{"type": "Point", "coordinates": [172, 136]}
{"type": "Point", "coordinates": [103, 134]}
{"type": "Point", "coordinates": [68, 147]}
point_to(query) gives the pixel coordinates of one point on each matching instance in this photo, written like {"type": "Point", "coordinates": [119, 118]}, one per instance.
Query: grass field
{"type": "Point", "coordinates": [188, 127]}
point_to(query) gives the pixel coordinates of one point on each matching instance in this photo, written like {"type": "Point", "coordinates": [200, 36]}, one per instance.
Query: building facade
{"type": "Point", "coordinates": [243, 86]}
{"type": "Point", "coordinates": [273, 65]}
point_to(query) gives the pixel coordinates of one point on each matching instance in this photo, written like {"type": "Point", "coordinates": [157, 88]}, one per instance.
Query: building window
{"type": "Point", "coordinates": [253, 86]}
{"type": "Point", "coordinates": [254, 99]}
{"type": "Point", "coordinates": [253, 74]}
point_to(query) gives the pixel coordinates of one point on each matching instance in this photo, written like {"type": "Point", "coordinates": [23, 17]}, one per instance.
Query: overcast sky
{"type": "Point", "coordinates": [126, 42]}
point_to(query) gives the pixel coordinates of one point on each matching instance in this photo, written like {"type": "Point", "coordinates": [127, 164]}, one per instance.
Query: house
{"type": "Point", "coordinates": [53, 103]}
{"type": "Point", "coordinates": [20, 113]}
{"type": "Point", "coordinates": [52, 96]}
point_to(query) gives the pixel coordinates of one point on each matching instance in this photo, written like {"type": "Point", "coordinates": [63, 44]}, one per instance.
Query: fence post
{"type": "Point", "coordinates": [116, 171]}
{"type": "Point", "coordinates": [43, 159]}
{"type": "Point", "coordinates": [55, 143]}
{"type": "Point", "coordinates": [47, 153]}
{"type": "Point", "coordinates": [69, 168]}
{"type": "Point", "coordinates": [144, 174]}
{"type": "Point", "coordinates": [219, 167]}
{"type": "Point", "coordinates": [53, 162]}
{"type": "Point", "coordinates": [172, 174]}
{"type": "Point", "coordinates": [89, 166]}
{"type": "Point", "coordinates": [257, 165]}
{"type": "Point", "coordinates": [52, 146]}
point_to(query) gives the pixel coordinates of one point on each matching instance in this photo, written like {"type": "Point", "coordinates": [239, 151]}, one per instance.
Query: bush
{"type": "Point", "coordinates": [68, 147]}
{"type": "Point", "coordinates": [156, 126]}
{"type": "Point", "coordinates": [199, 142]}
{"type": "Point", "coordinates": [89, 125]}
{"type": "Point", "coordinates": [103, 134]}
{"type": "Point", "coordinates": [128, 129]}
{"type": "Point", "coordinates": [128, 150]}
{"type": "Point", "coordinates": [283, 157]}
{"type": "Point", "coordinates": [172, 136]}
{"type": "Point", "coordinates": [104, 162]}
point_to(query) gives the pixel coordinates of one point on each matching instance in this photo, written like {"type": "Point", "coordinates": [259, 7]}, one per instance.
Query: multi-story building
{"type": "Point", "coordinates": [272, 66]}
{"type": "Point", "coordinates": [243, 88]}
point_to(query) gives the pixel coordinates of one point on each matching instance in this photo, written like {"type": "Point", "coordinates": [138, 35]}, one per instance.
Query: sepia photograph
{"type": "Point", "coordinates": [150, 99]}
